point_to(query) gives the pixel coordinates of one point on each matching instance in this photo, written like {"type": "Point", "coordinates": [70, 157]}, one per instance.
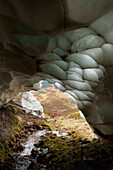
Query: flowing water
{"type": "Point", "coordinates": [23, 159]}
{"type": "Point", "coordinates": [29, 144]}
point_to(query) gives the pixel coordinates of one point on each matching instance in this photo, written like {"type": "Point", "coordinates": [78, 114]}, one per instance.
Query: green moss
{"type": "Point", "coordinates": [4, 152]}
{"type": "Point", "coordinates": [13, 129]}
{"type": "Point", "coordinates": [51, 126]}
{"type": "Point", "coordinates": [16, 129]}
{"type": "Point", "coordinates": [46, 124]}
{"type": "Point", "coordinates": [14, 119]}
{"type": "Point", "coordinates": [70, 153]}
{"type": "Point", "coordinates": [74, 115]}
{"type": "Point", "coordinates": [47, 115]}
{"type": "Point", "coordinates": [40, 122]}
{"type": "Point", "coordinates": [15, 110]}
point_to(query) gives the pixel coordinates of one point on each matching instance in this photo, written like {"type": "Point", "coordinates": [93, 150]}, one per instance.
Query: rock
{"type": "Point", "coordinates": [96, 140]}
{"type": "Point", "coordinates": [28, 133]}
{"type": "Point", "coordinates": [86, 142]}
{"type": "Point", "coordinates": [53, 136]}
{"type": "Point", "coordinates": [31, 130]}
{"type": "Point", "coordinates": [29, 103]}
{"type": "Point", "coordinates": [41, 143]}
{"type": "Point", "coordinates": [29, 123]}
{"type": "Point", "coordinates": [41, 158]}
{"type": "Point", "coordinates": [33, 165]}
{"type": "Point", "coordinates": [63, 138]}
{"type": "Point", "coordinates": [34, 152]}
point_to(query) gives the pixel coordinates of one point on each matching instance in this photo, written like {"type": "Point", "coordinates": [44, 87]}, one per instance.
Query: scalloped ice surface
{"type": "Point", "coordinates": [78, 62]}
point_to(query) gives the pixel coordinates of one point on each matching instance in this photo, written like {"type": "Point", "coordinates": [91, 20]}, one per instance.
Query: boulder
{"type": "Point", "coordinates": [26, 101]}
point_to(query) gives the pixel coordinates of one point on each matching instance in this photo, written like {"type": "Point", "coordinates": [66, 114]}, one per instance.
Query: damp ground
{"type": "Point", "coordinates": [29, 142]}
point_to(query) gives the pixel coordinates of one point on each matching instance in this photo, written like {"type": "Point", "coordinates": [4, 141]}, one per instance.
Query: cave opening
{"type": "Point", "coordinates": [39, 142]}
{"type": "Point", "coordinates": [69, 43]}
{"type": "Point", "coordinates": [68, 116]}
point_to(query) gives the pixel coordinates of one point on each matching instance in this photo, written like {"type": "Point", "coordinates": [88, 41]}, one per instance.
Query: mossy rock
{"type": "Point", "coordinates": [4, 152]}
{"type": "Point", "coordinates": [71, 153]}
{"type": "Point", "coordinates": [40, 143]}
{"type": "Point", "coordinates": [46, 124]}
{"type": "Point", "coordinates": [51, 126]}
{"type": "Point", "coordinates": [15, 110]}
{"type": "Point", "coordinates": [13, 125]}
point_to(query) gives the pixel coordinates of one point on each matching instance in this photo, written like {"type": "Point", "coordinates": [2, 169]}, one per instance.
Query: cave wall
{"type": "Point", "coordinates": [68, 43]}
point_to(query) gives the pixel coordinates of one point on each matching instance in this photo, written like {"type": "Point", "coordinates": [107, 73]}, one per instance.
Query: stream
{"type": "Point", "coordinates": [24, 158]}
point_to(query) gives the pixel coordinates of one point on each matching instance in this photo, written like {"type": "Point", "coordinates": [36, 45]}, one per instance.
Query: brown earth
{"type": "Point", "coordinates": [67, 113]}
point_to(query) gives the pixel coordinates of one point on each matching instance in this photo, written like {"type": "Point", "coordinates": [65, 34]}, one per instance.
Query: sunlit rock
{"type": "Point", "coordinates": [29, 103]}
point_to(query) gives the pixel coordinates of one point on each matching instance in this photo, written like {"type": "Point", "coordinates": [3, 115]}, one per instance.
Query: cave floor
{"type": "Point", "coordinates": [79, 150]}
{"type": "Point", "coordinates": [75, 151]}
